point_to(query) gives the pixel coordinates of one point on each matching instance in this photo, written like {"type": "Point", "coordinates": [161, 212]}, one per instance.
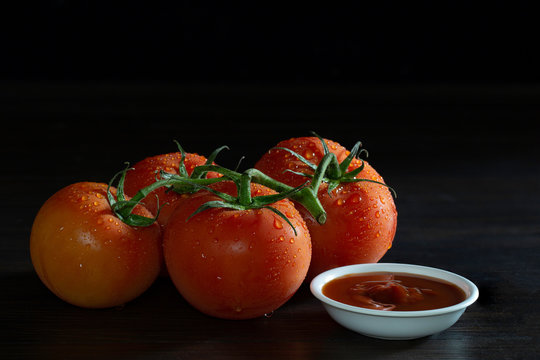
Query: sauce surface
{"type": "Point", "coordinates": [393, 291]}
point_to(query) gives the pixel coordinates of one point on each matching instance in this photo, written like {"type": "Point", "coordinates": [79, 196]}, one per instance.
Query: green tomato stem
{"type": "Point", "coordinates": [142, 193]}
{"type": "Point", "coordinates": [244, 190]}
{"type": "Point", "coordinates": [306, 196]}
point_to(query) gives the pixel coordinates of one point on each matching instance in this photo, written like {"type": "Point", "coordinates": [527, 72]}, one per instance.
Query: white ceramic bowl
{"type": "Point", "coordinates": [394, 325]}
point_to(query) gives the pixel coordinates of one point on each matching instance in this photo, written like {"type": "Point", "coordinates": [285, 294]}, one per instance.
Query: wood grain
{"type": "Point", "coordinates": [468, 198]}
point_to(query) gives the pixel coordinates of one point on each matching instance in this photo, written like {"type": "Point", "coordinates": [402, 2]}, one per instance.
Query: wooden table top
{"type": "Point", "coordinates": [464, 162]}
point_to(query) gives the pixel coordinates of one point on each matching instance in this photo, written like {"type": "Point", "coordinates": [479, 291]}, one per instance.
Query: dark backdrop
{"type": "Point", "coordinates": [428, 87]}
{"type": "Point", "coordinates": [458, 42]}
{"type": "Point", "coordinates": [444, 95]}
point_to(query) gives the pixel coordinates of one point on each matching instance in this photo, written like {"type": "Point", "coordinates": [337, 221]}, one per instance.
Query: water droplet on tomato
{"type": "Point", "coordinates": [340, 202]}
{"type": "Point", "coordinates": [309, 155]}
{"type": "Point", "coordinates": [355, 198]}
{"type": "Point", "coordinates": [278, 224]}
{"type": "Point", "coordinates": [291, 241]}
{"type": "Point", "coordinates": [269, 315]}
{"type": "Point", "coordinates": [377, 214]}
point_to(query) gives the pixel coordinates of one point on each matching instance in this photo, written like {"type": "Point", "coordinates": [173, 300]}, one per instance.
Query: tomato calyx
{"type": "Point", "coordinates": [330, 171]}
{"type": "Point", "coordinates": [244, 200]}
{"type": "Point", "coordinates": [198, 175]}
{"type": "Point", "coordinates": [123, 207]}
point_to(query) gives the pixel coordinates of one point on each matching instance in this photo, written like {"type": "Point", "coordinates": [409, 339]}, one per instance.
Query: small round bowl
{"type": "Point", "coordinates": [394, 325]}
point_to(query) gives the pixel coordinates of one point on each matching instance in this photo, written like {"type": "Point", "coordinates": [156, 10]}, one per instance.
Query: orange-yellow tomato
{"type": "Point", "coordinates": [88, 257]}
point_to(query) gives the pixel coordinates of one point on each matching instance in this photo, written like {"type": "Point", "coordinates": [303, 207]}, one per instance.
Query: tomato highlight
{"type": "Point", "coordinates": [87, 256]}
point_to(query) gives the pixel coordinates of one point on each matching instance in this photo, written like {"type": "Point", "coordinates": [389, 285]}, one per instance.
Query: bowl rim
{"type": "Point", "coordinates": [320, 280]}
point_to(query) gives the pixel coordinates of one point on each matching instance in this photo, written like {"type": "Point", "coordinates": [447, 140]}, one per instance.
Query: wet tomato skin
{"type": "Point", "coordinates": [361, 217]}
{"type": "Point", "coordinates": [360, 226]}
{"type": "Point", "coordinates": [276, 162]}
{"type": "Point", "coordinates": [236, 264]}
{"type": "Point", "coordinates": [88, 257]}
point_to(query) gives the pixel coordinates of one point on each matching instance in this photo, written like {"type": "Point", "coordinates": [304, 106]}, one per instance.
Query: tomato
{"type": "Point", "coordinates": [86, 256]}
{"type": "Point", "coordinates": [277, 162]}
{"type": "Point", "coordinates": [236, 264]}
{"type": "Point", "coordinates": [361, 216]}
{"type": "Point", "coordinates": [145, 172]}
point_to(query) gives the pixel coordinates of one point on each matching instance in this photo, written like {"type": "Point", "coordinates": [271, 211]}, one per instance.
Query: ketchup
{"type": "Point", "coordinates": [393, 291]}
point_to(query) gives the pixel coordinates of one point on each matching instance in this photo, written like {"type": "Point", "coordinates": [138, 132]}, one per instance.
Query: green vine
{"type": "Point", "coordinates": [329, 170]}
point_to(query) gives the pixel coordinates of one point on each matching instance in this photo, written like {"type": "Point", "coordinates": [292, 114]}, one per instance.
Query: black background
{"type": "Point", "coordinates": [259, 43]}
{"type": "Point", "coordinates": [445, 96]}
{"type": "Point", "coordinates": [422, 79]}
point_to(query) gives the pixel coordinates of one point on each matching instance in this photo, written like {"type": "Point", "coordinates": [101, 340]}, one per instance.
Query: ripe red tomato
{"type": "Point", "coordinates": [86, 256]}
{"type": "Point", "coordinates": [361, 216]}
{"type": "Point", "coordinates": [145, 172]}
{"type": "Point", "coordinates": [236, 264]}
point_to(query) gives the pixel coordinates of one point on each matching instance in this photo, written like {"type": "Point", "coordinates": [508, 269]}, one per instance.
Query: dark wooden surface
{"type": "Point", "coordinates": [464, 160]}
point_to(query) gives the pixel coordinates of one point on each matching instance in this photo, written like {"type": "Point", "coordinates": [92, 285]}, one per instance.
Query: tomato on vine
{"type": "Point", "coordinates": [361, 216]}
{"type": "Point", "coordinates": [237, 250]}
{"type": "Point", "coordinates": [94, 248]}
{"type": "Point", "coordinates": [147, 171]}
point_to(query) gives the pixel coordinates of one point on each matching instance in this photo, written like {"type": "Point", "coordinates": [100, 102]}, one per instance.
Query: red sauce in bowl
{"type": "Point", "coordinates": [393, 291]}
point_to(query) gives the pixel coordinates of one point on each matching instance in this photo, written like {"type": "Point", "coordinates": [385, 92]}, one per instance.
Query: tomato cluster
{"type": "Point", "coordinates": [235, 245]}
